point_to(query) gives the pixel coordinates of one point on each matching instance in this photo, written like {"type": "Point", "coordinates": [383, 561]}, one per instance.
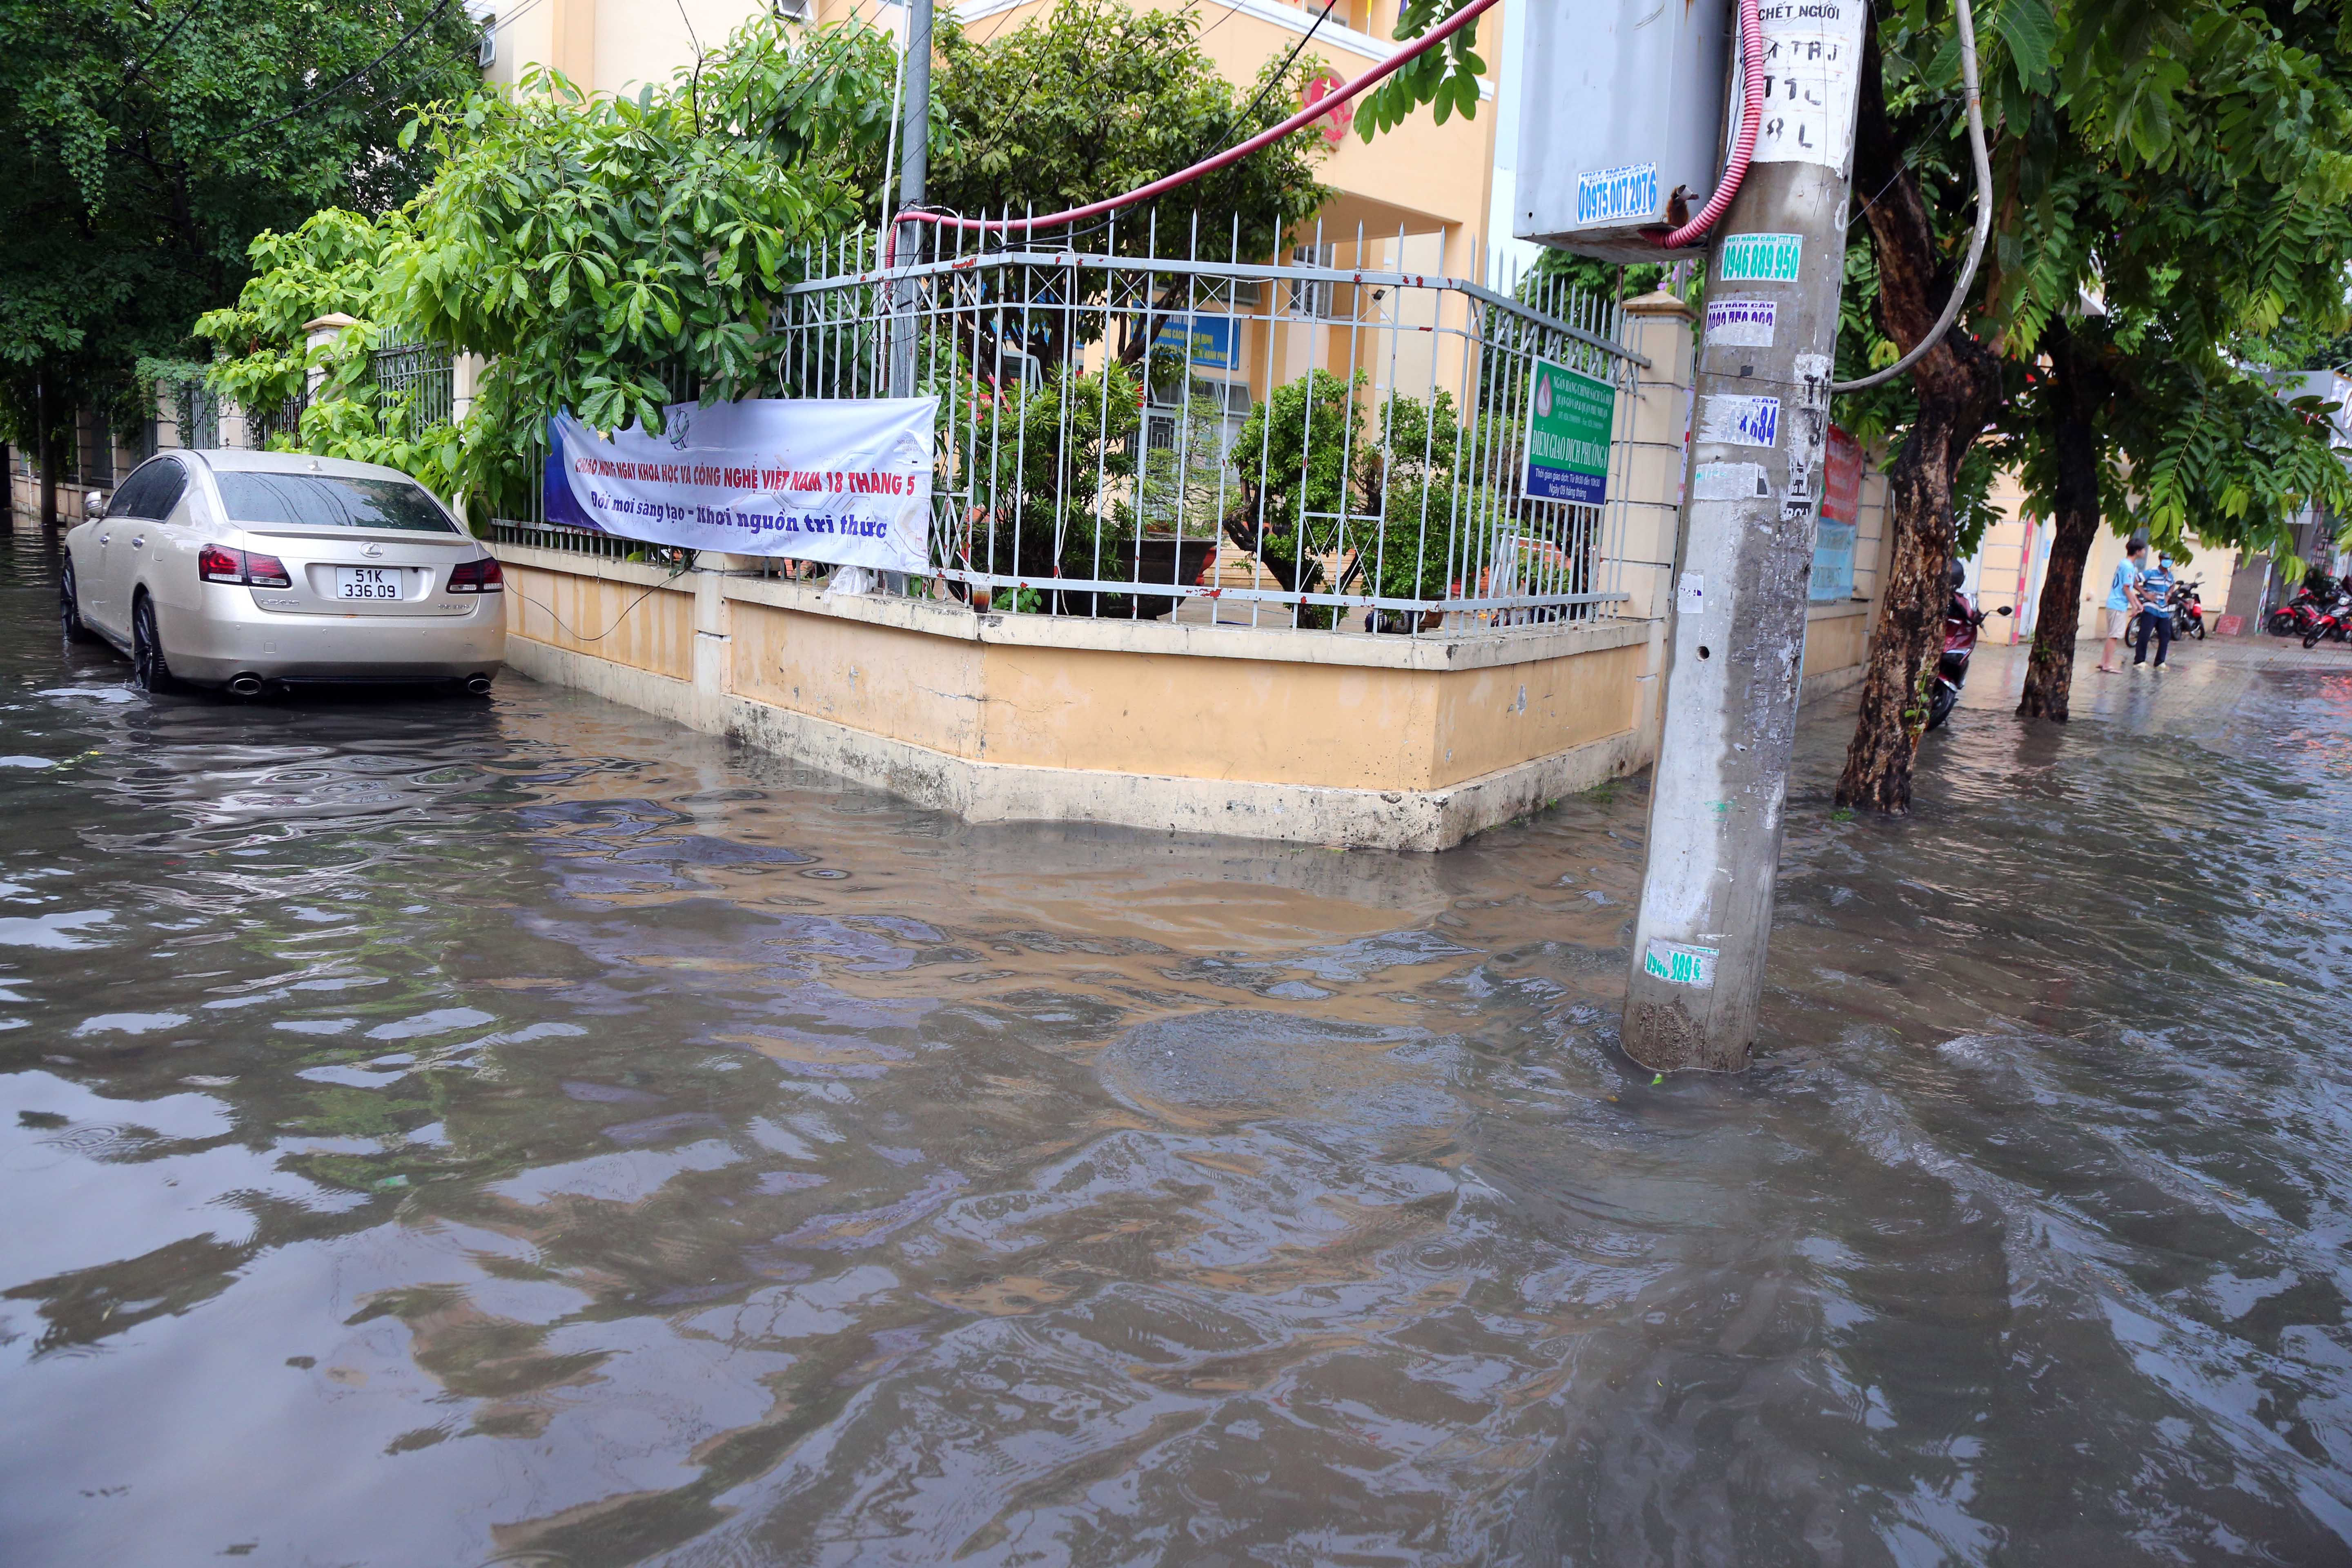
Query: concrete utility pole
{"type": "Point", "coordinates": [914, 168]}
{"type": "Point", "coordinates": [1759, 430]}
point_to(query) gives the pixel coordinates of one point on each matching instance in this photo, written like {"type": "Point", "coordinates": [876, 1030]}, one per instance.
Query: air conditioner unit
{"type": "Point", "coordinates": [1626, 137]}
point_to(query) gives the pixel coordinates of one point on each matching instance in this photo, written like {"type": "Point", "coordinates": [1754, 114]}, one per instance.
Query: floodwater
{"type": "Point", "coordinates": [444, 1134]}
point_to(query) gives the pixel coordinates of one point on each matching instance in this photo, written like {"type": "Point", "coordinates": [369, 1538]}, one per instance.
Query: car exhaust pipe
{"type": "Point", "coordinates": [478, 686]}
{"type": "Point", "coordinates": [247, 685]}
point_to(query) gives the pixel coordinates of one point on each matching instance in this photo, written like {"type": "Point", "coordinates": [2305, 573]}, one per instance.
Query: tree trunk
{"type": "Point", "coordinates": [1958, 385]}
{"type": "Point", "coordinates": [2074, 391]}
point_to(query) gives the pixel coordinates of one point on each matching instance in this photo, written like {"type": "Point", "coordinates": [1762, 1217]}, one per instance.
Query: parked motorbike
{"type": "Point", "coordinates": [2312, 600]}
{"type": "Point", "coordinates": [2336, 623]}
{"type": "Point", "coordinates": [2188, 611]}
{"type": "Point", "coordinates": [1962, 620]}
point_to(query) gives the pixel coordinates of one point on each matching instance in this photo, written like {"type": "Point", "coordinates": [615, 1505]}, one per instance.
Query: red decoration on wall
{"type": "Point", "coordinates": [1334, 125]}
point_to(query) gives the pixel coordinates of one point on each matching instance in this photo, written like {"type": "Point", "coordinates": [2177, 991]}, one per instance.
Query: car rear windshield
{"type": "Point", "coordinates": [319, 501]}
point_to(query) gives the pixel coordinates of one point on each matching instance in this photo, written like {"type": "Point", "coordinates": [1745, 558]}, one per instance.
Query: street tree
{"type": "Point", "coordinates": [609, 256]}
{"type": "Point", "coordinates": [2164, 195]}
{"type": "Point", "coordinates": [143, 146]}
{"type": "Point", "coordinates": [1094, 97]}
{"type": "Point", "coordinates": [2185, 158]}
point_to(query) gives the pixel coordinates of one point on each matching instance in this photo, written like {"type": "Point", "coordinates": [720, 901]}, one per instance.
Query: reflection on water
{"type": "Point", "coordinates": [440, 1134]}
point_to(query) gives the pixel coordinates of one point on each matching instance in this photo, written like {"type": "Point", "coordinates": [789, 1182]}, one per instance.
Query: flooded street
{"type": "Point", "coordinates": [441, 1132]}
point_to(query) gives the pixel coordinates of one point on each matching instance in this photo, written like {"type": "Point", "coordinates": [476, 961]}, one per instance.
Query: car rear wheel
{"type": "Point", "coordinates": [69, 619]}
{"type": "Point", "coordinates": [150, 670]}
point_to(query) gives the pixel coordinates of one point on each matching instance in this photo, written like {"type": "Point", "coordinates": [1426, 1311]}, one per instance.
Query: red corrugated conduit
{"type": "Point", "coordinates": [1234, 154]}
{"type": "Point", "coordinates": [1751, 63]}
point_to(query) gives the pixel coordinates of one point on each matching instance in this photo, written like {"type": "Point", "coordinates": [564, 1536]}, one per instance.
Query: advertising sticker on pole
{"type": "Point", "coordinates": [1570, 418]}
{"type": "Point", "coordinates": [842, 481]}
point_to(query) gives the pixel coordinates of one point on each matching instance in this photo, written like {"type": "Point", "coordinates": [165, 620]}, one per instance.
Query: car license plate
{"type": "Point", "coordinates": [367, 583]}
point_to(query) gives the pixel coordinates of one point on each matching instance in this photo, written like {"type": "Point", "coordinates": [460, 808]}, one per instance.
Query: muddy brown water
{"type": "Point", "coordinates": [443, 1133]}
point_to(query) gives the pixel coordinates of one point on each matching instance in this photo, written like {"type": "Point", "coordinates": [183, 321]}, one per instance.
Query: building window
{"type": "Point", "coordinates": [1309, 298]}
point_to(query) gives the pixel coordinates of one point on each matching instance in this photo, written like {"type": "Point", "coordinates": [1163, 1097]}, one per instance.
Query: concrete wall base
{"type": "Point", "coordinates": [1831, 683]}
{"type": "Point", "coordinates": [1422, 820]}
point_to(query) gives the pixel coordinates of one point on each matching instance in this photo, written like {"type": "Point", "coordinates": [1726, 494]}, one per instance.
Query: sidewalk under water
{"type": "Point", "coordinates": [441, 1132]}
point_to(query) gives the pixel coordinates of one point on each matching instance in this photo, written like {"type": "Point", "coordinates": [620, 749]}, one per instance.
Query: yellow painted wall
{"type": "Point", "coordinates": [1176, 714]}
{"type": "Point", "coordinates": [1207, 718]}
{"type": "Point", "coordinates": [881, 680]}
{"type": "Point", "coordinates": [615, 45]}
{"type": "Point", "coordinates": [1494, 718]}
{"type": "Point", "coordinates": [590, 616]}
{"type": "Point", "coordinates": [1834, 643]}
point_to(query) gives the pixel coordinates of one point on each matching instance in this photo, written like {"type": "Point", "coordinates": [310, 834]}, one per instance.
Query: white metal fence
{"type": "Point", "coordinates": [1332, 441]}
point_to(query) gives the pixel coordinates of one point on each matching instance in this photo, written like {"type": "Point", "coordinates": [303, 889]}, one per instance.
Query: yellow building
{"type": "Point", "coordinates": [2008, 570]}
{"type": "Point", "coordinates": [1430, 184]}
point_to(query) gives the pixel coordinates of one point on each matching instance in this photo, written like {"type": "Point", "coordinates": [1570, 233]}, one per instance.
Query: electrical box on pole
{"type": "Point", "coordinates": [1624, 139]}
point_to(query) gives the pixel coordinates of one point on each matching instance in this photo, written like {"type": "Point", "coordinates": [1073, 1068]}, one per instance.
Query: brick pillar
{"type": "Point", "coordinates": [320, 332]}
{"type": "Point", "coordinates": [712, 632]}
{"type": "Point", "coordinates": [1653, 428]}
{"type": "Point", "coordinates": [465, 384]}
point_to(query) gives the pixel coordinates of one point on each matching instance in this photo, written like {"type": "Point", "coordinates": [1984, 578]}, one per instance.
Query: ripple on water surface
{"type": "Point", "coordinates": [441, 1132]}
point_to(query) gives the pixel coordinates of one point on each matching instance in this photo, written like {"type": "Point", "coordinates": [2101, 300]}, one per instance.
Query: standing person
{"type": "Point", "coordinates": [2155, 612]}
{"type": "Point", "coordinates": [2123, 602]}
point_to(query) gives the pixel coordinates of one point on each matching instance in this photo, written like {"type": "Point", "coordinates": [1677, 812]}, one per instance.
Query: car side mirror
{"type": "Point", "coordinates": [93, 505]}
{"type": "Point", "coordinates": [2002, 611]}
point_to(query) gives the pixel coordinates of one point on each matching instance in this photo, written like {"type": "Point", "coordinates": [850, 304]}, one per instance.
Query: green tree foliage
{"type": "Point", "coordinates": [609, 256]}
{"type": "Point", "coordinates": [1055, 459]}
{"type": "Point", "coordinates": [330, 265]}
{"type": "Point", "coordinates": [1361, 498]}
{"type": "Point", "coordinates": [2171, 181]}
{"type": "Point", "coordinates": [1446, 78]}
{"type": "Point", "coordinates": [599, 252]}
{"type": "Point", "coordinates": [614, 255]}
{"type": "Point", "coordinates": [1093, 97]}
{"type": "Point", "coordinates": [143, 146]}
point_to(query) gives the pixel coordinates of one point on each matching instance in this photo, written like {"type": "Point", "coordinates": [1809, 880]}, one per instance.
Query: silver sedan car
{"type": "Point", "coordinates": [250, 570]}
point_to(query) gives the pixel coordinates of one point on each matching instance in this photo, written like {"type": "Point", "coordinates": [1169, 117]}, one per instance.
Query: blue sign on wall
{"type": "Point", "coordinates": [1204, 340]}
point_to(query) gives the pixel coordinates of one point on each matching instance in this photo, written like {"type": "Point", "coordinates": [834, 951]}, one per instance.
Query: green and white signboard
{"type": "Point", "coordinates": [1569, 417]}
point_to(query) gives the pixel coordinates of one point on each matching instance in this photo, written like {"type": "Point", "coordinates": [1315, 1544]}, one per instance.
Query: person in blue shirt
{"type": "Point", "coordinates": [2123, 602]}
{"type": "Point", "coordinates": [2155, 612]}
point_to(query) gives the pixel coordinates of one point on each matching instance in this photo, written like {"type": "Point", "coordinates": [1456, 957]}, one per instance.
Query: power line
{"type": "Point", "coordinates": [1307, 115]}
{"type": "Point", "coordinates": [1244, 119]}
{"type": "Point", "coordinates": [406, 38]}
{"type": "Point", "coordinates": [187, 15]}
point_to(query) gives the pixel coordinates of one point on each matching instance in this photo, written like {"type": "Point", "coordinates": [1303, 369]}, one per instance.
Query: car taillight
{"type": "Point", "coordinates": [219, 564]}
{"type": "Point", "coordinates": [481, 576]}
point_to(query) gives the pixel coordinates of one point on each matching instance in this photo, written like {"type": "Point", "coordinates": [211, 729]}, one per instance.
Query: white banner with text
{"type": "Point", "coordinates": [842, 480]}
